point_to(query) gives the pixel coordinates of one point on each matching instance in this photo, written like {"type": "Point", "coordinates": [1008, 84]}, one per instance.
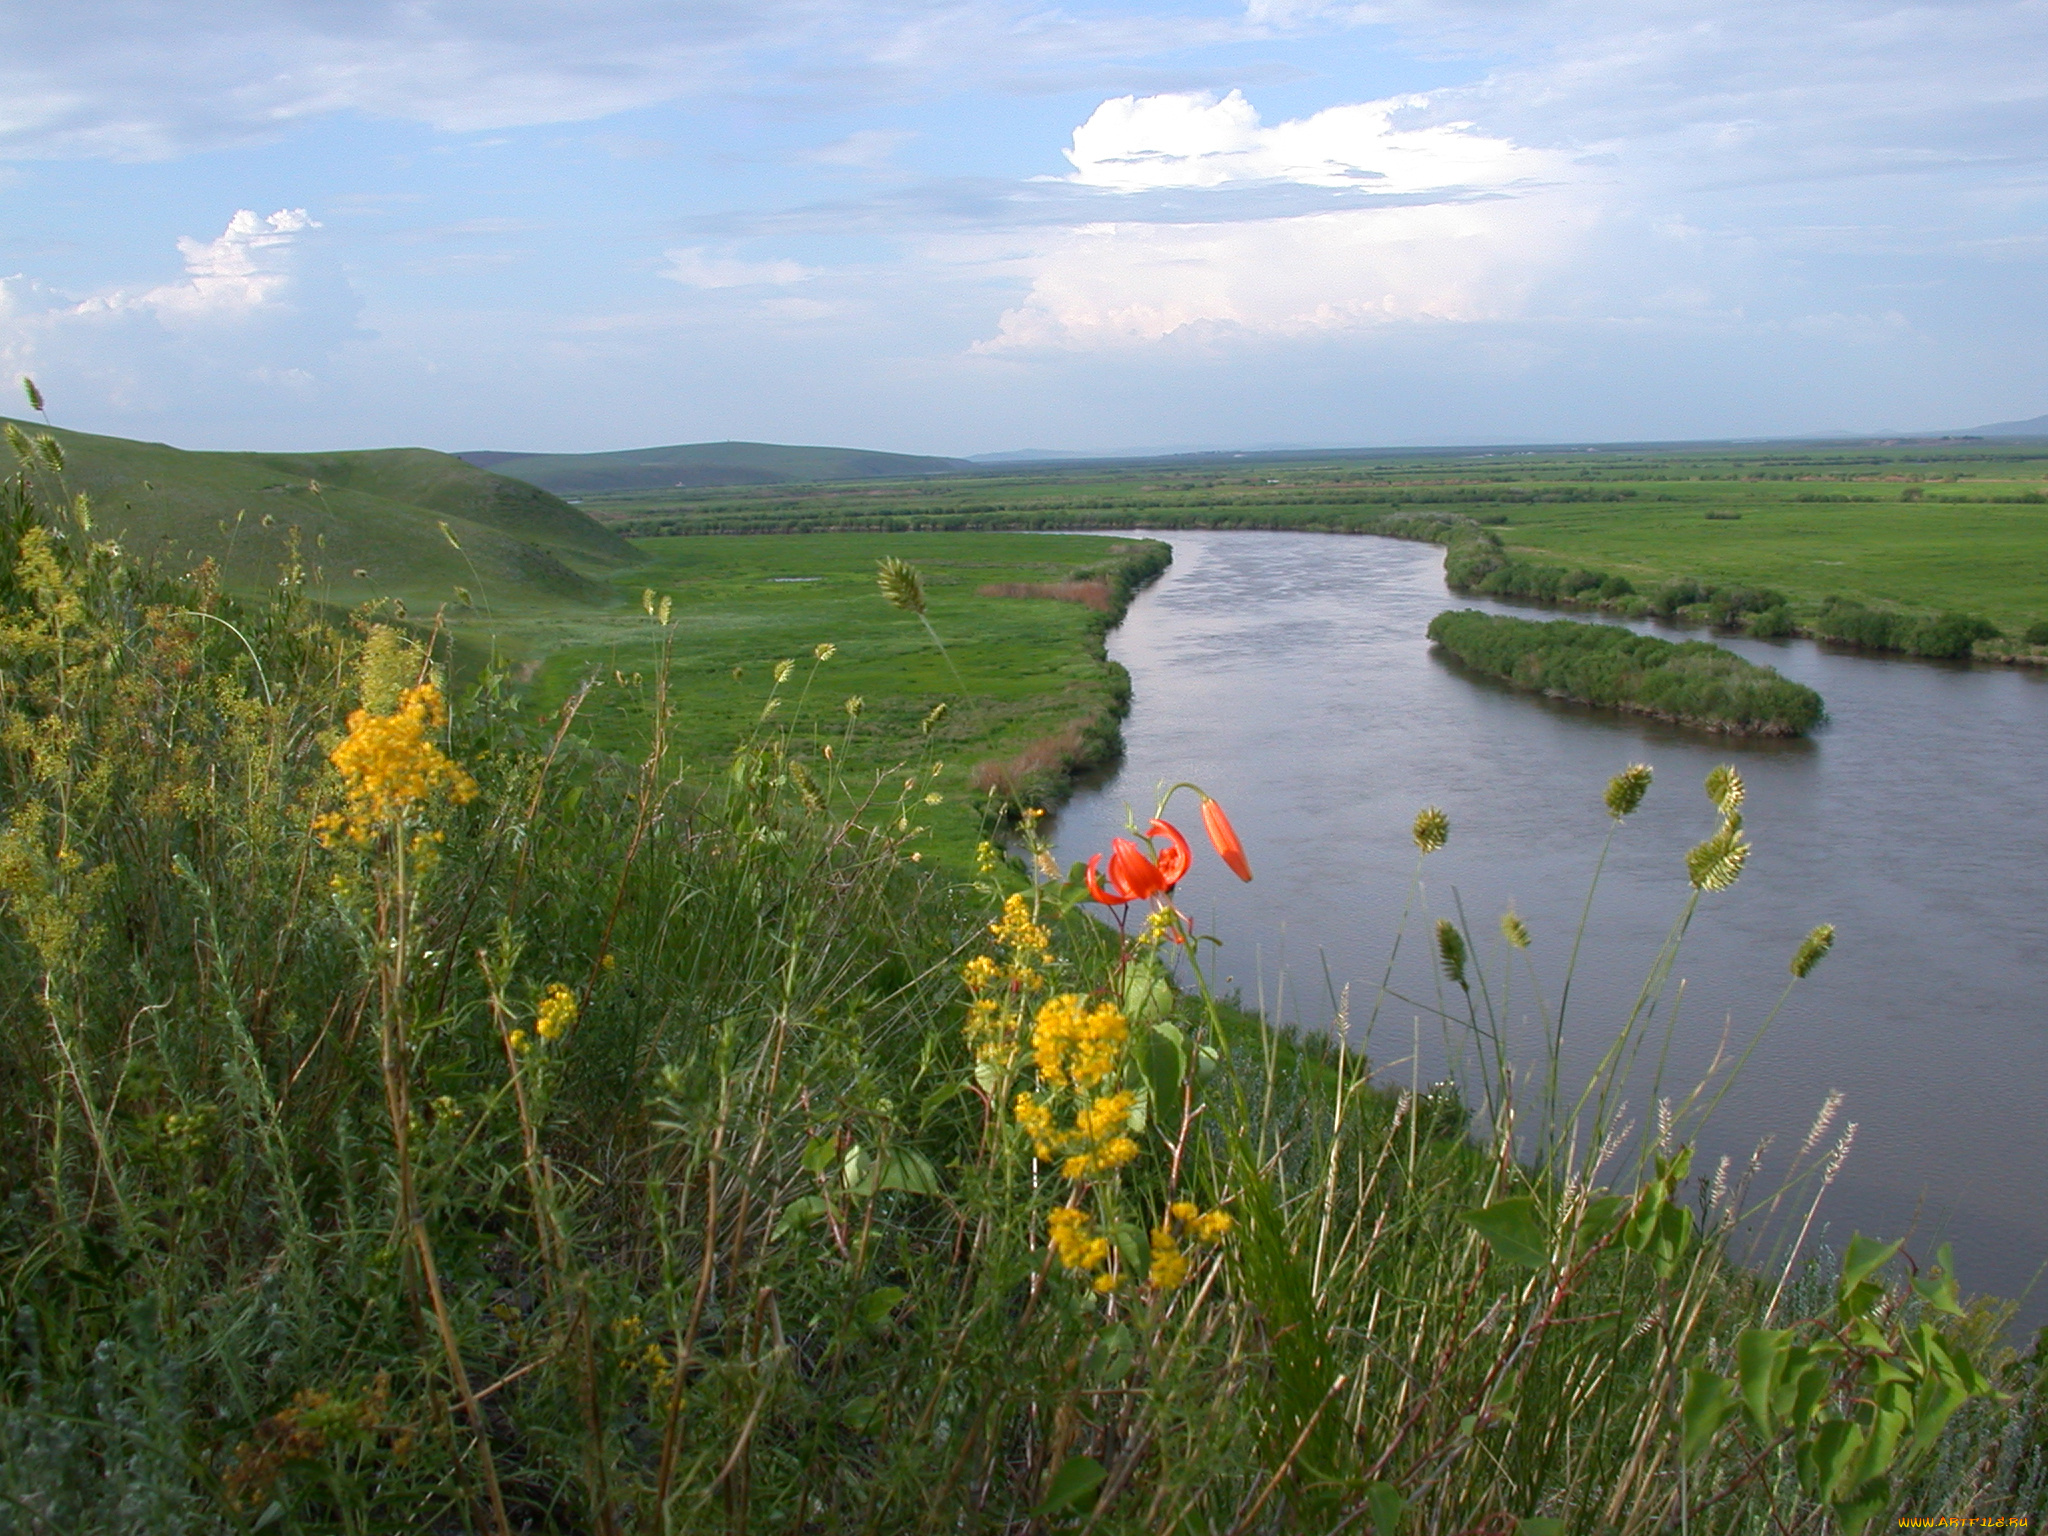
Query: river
{"type": "Point", "coordinates": [1289, 675]}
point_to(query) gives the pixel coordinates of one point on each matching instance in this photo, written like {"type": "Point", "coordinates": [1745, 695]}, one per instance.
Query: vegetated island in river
{"type": "Point", "coordinates": [1692, 682]}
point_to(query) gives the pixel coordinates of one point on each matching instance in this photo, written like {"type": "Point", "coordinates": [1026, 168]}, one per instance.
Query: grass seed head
{"type": "Point", "coordinates": [1813, 949]}
{"type": "Point", "coordinates": [1432, 829]}
{"type": "Point", "coordinates": [1725, 788]}
{"type": "Point", "coordinates": [901, 585]}
{"type": "Point", "coordinates": [1450, 950]}
{"type": "Point", "coordinates": [1626, 789]}
{"type": "Point", "coordinates": [1514, 930]}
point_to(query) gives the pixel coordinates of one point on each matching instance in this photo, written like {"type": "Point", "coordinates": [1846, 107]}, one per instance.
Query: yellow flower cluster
{"type": "Point", "coordinates": [557, 1011]}
{"type": "Point", "coordinates": [1183, 1219]}
{"type": "Point", "coordinates": [1078, 1049]}
{"type": "Point", "coordinates": [1000, 988]}
{"type": "Point", "coordinates": [390, 767]}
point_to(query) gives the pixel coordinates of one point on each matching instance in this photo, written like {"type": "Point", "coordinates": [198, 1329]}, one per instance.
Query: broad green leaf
{"type": "Point", "coordinates": [1856, 1510]}
{"type": "Point", "coordinates": [1147, 994]}
{"type": "Point", "coordinates": [898, 1168]}
{"type": "Point", "coordinates": [819, 1152]}
{"type": "Point", "coordinates": [1386, 1507]}
{"type": "Point", "coordinates": [1602, 1214]}
{"type": "Point", "coordinates": [1836, 1450]}
{"type": "Point", "coordinates": [875, 1307]}
{"type": "Point", "coordinates": [1515, 1230]}
{"type": "Point", "coordinates": [798, 1214]}
{"type": "Point", "coordinates": [1072, 1487]}
{"type": "Point", "coordinates": [1865, 1257]}
{"type": "Point", "coordinates": [1759, 1364]}
{"type": "Point", "coordinates": [1163, 1059]}
{"type": "Point", "coordinates": [1937, 1288]}
{"type": "Point", "coordinates": [1709, 1404]}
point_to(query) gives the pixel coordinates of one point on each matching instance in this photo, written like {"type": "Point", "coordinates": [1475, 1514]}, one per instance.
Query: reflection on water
{"type": "Point", "coordinates": [1288, 673]}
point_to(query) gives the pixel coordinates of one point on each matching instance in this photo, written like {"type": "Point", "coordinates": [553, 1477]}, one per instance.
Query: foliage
{"type": "Point", "coordinates": [545, 1143]}
{"type": "Point", "coordinates": [1946, 636]}
{"type": "Point", "coordinates": [1604, 664]}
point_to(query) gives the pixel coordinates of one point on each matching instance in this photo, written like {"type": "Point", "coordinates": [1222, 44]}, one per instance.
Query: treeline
{"type": "Point", "coordinates": [1950, 636]}
{"type": "Point", "coordinates": [1694, 682]}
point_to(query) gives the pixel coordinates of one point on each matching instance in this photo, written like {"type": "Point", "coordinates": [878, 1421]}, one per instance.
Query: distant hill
{"type": "Point", "coordinates": [2033, 426]}
{"type": "Point", "coordinates": [368, 522]}
{"type": "Point", "coordinates": [692, 465]}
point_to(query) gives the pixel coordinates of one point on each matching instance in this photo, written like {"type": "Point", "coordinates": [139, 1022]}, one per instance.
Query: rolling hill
{"type": "Point", "coordinates": [368, 524]}
{"type": "Point", "coordinates": [692, 465]}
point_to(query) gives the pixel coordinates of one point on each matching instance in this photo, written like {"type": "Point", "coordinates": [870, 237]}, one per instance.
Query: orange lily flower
{"type": "Point", "coordinates": [1134, 874]}
{"type": "Point", "coordinates": [1107, 896]}
{"type": "Point", "coordinates": [1224, 837]}
{"type": "Point", "coordinates": [1175, 857]}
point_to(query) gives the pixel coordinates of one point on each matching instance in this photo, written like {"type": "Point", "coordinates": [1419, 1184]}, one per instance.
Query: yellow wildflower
{"type": "Point", "coordinates": [1076, 1045]}
{"type": "Point", "coordinates": [1211, 1227]}
{"type": "Point", "coordinates": [1169, 1264]}
{"type": "Point", "coordinates": [980, 973]}
{"type": "Point", "coordinates": [557, 1011]}
{"type": "Point", "coordinates": [1104, 1157]}
{"type": "Point", "coordinates": [1075, 1241]}
{"type": "Point", "coordinates": [389, 768]}
{"type": "Point", "coordinates": [1016, 931]}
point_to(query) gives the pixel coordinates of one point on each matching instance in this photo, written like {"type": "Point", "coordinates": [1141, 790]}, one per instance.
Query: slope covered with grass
{"type": "Point", "coordinates": [368, 524]}
{"type": "Point", "coordinates": [709, 464]}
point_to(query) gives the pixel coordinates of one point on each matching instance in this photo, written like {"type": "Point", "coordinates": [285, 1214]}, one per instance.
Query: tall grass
{"type": "Point", "coordinates": [414, 1121]}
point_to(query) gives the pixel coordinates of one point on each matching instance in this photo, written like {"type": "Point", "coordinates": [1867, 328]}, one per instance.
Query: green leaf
{"type": "Point", "coordinates": [1539, 1525]}
{"type": "Point", "coordinates": [1857, 1509]}
{"type": "Point", "coordinates": [819, 1152]}
{"type": "Point", "coordinates": [1385, 1507]}
{"type": "Point", "coordinates": [798, 1214]}
{"type": "Point", "coordinates": [1072, 1488]}
{"type": "Point", "coordinates": [1836, 1450]}
{"type": "Point", "coordinates": [1709, 1404]}
{"type": "Point", "coordinates": [1760, 1359]}
{"type": "Point", "coordinates": [898, 1168]}
{"type": "Point", "coordinates": [1603, 1213]}
{"type": "Point", "coordinates": [1147, 994]}
{"type": "Point", "coordinates": [1163, 1059]}
{"type": "Point", "coordinates": [1937, 1288]}
{"type": "Point", "coordinates": [1515, 1230]}
{"type": "Point", "coordinates": [875, 1307]}
{"type": "Point", "coordinates": [1109, 1357]}
{"type": "Point", "coordinates": [1865, 1257]}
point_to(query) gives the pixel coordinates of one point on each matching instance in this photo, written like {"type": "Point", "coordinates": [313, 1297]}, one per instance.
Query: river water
{"type": "Point", "coordinates": [1290, 676]}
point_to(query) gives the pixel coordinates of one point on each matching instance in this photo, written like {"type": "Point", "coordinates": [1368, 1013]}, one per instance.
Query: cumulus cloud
{"type": "Point", "coordinates": [1450, 226]}
{"type": "Point", "coordinates": [1142, 143]}
{"type": "Point", "coordinates": [696, 267]}
{"type": "Point", "coordinates": [249, 312]}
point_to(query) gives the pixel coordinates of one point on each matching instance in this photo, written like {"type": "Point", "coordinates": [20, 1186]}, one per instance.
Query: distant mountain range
{"type": "Point", "coordinates": [700, 465]}
{"type": "Point", "coordinates": [2033, 426]}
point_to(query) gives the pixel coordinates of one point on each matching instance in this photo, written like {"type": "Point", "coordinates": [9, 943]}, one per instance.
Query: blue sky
{"type": "Point", "coordinates": [960, 226]}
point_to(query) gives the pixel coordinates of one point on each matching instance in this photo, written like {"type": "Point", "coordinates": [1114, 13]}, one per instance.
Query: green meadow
{"type": "Point", "coordinates": [470, 1062]}
{"type": "Point", "coordinates": [1018, 675]}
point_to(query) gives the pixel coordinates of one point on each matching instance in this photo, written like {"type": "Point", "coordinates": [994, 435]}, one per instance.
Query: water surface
{"type": "Point", "coordinates": [1289, 674]}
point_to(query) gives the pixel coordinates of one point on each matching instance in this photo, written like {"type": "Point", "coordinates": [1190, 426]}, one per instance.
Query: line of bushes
{"type": "Point", "coordinates": [1694, 682]}
{"type": "Point", "coordinates": [1950, 636]}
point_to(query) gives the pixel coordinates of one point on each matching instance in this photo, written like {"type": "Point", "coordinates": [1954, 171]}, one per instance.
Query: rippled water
{"type": "Point", "coordinates": [1289, 674]}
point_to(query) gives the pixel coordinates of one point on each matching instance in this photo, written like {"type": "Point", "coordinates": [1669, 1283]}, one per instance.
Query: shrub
{"type": "Point", "coordinates": [1605, 664]}
{"type": "Point", "coordinates": [2037, 632]}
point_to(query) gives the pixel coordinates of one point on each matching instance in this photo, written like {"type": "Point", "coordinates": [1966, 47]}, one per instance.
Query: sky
{"type": "Point", "coordinates": [970, 226]}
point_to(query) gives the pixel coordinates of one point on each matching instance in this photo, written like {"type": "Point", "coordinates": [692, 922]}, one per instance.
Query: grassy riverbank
{"type": "Point", "coordinates": [1693, 683]}
{"type": "Point", "coordinates": [420, 1121]}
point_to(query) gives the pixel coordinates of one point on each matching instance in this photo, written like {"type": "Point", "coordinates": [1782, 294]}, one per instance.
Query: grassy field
{"type": "Point", "coordinates": [1020, 677]}
{"type": "Point", "coordinates": [1921, 527]}
{"type": "Point", "coordinates": [416, 1122]}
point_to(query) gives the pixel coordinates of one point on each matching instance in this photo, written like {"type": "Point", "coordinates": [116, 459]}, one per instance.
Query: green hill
{"type": "Point", "coordinates": [368, 524]}
{"type": "Point", "coordinates": [708, 464]}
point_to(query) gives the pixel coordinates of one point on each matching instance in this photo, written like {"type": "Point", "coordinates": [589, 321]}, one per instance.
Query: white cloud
{"type": "Point", "coordinates": [1445, 225]}
{"type": "Point", "coordinates": [696, 267]}
{"type": "Point", "coordinates": [249, 314]}
{"type": "Point", "coordinates": [1134, 144]}
{"type": "Point", "coordinates": [1120, 285]}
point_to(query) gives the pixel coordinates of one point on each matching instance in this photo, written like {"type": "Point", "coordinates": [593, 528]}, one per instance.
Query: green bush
{"type": "Point", "coordinates": [1605, 664]}
{"type": "Point", "coordinates": [2037, 632]}
{"type": "Point", "coordinates": [1947, 636]}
